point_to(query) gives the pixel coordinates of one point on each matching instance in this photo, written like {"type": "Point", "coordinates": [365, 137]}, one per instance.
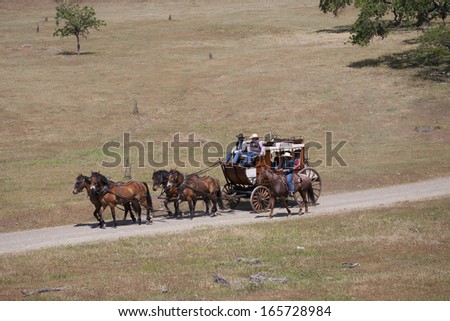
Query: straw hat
{"type": "Point", "coordinates": [287, 154]}
{"type": "Point", "coordinates": [254, 136]}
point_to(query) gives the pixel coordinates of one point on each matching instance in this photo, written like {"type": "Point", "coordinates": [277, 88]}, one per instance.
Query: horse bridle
{"type": "Point", "coordinates": [82, 180]}
{"type": "Point", "coordinates": [159, 180]}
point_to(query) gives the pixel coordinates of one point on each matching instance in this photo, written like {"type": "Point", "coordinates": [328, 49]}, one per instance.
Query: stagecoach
{"type": "Point", "coordinates": [241, 182]}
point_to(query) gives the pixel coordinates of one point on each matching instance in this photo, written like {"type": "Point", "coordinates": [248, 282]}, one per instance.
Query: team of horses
{"type": "Point", "coordinates": [177, 187]}
{"type": "Point", "coordinates": [104, 192]}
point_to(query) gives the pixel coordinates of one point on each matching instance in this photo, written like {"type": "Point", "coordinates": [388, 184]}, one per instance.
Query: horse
{"type": "Point", "coordinates": [111, 194]}
{"type": "Point", "coordinates": [192, 187]}
{"type": "Point", "coordinates": [278, 187]}
{"type": "Point", "coordinates": [160, 179]}
{"type": "Point", "coordinates": [83, 182]}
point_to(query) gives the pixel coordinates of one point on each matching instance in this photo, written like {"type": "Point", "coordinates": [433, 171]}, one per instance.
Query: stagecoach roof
{"type": "Point", "coordinates": [280, 147]}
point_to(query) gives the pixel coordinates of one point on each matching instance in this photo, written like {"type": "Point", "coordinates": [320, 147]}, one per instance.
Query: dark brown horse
{"type": "Point", "coordinates": [193, 187]}
{"type": "Point", "coordinates": [160, 179]}
{"type": "Point", "coordinates": [111, 194]}
{"type": "Point", "coordinates": [278, 188]}
{"type": "Point", "coordinates": [83, 182]}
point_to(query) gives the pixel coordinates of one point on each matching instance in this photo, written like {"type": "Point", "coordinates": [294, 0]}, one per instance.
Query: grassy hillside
{"type": "Point", "coordinates": [277, 66]}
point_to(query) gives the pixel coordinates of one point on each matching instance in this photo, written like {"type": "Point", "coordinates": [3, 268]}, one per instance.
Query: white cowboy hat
{"type": "Point", "coordinates": [287, 154]}
{"type": "Point", "coordinates": [254, 136]}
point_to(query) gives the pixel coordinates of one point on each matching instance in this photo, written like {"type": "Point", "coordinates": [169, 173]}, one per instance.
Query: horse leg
{"type": "Point", "coordinates": [303, 202]}
{"type": "Point", "coordinates": [206, 200]}
{"type": "Point", "coordinates": [272, 205]}
{"type": "Point", "coordinates": [149, 217]}
{"type": "Point", "coordinates": [133, 218]}
{"type": "Point", "coordinates": [137, 208]}
{"type": "Point", "coordinates": [96, 211]}
{"type": "Point", "coordinates": [113, 214]}
{"type": "Point", "coordinates": [148, 204]}
{"type": "Point", "coordinates": [133, 206]}
{"type": "Point", "coordinates": [127, 208]}
{"type": "Point", "coordinates": [214, 206]}
{"type": "Point", "coordinates": [191, 208]}
{"type": "Point", "coordinates": [101, 223]}
{"type": "Point", "coordinates": [169, 212]}
{"type": "Point", "coordinates": [286, 206]}
{"type": "Point", "coordinates": [176, 204]}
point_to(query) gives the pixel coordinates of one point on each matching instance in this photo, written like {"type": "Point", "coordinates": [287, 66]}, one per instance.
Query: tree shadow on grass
{"type": "Point", "coordinates": [336, 29]}
{"type": "Point", "coordinates": [401, 60]}
{"type": "Point", "coordinates": [437, 70]}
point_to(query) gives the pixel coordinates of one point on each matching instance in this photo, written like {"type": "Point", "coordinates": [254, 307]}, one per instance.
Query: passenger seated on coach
{"type": "Point", "coordinates": [297, 161]}
{"type": "Point", "coordinates": [278, 161]}
{"type": "Point", "coordinates": [239, 146]}
{"type": "Point", "coordinates": [254, 148]}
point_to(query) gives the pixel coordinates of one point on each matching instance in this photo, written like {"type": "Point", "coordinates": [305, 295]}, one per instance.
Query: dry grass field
{"type": "Point", "coordinates": [277, 66]}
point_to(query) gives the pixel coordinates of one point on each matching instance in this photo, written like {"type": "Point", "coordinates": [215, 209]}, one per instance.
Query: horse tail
{"type": "Point", "coordinates": [311, 195]}
{"type": "Point", "coordinates": [219, 195]}
{"type": "Point", "coordinates": [148, 197]}
{"type": "Point", "coordinates": [219, 198]}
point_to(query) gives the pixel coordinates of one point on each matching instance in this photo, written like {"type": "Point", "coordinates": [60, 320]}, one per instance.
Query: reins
{"type": "Point", "coordinates": [207, 169]}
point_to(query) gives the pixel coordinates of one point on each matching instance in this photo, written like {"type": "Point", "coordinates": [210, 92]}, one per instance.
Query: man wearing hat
{"type": "Point", "coordinates": [288, 170]}
{"type": "Point", "coordinates": [238, 147]}
{"type": "Point", "coordinates": [254, 148]}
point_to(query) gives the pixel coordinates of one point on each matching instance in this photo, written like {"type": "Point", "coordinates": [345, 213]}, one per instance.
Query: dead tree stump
{"type": "Point", "coordinates": [127, 175]}
{"type": "Point", "coordinates": [135, 107]}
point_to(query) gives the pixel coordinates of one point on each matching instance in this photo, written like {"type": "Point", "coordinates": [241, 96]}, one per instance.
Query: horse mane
{"type": "Point", "coordinates": [265, 173]}
{"type": "Point", "coordinates": [160, 176]}
{"type": "Point", "coordinates": [160, 172]}
{"type": "Point", "coordinates": [84, 178]}
{"type": "Point", "coordinates": [101, 178]}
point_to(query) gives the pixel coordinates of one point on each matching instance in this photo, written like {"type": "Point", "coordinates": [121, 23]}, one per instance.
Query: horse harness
{"type": "Point", "coordinates": [186, 185]}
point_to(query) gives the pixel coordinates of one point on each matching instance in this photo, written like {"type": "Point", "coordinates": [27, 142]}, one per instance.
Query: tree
{"type": "Point", "coordinates": [379, 17]}
{"type": "Point", "coordinates": [72, 20]}
{"type": "Point", "coordinates": [434, 47]}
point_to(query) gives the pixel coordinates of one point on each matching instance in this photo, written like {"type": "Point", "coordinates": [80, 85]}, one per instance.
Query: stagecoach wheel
{"type": "Point", "coordinates": [230, 201]}
{"type": "Point", "coordinates": [315, 180]}
{"type": "Point", "coordinates": [260, 199]}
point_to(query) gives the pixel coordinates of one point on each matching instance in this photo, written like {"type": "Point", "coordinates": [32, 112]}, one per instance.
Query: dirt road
{"type": "Point", "coordinates": [67, 235]}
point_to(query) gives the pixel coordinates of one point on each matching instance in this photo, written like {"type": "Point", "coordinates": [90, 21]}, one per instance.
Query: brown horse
{"type": "Point", "coordinates": [111, 194]}
{"type": "Point", "coordinates": [83, 182]}
{"type": "Point", "coordinates": [193, 187]}
{"type": "Point", "coordinates": [278, 188]}
{"type": "Point", "coordinates": [160, 179]}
